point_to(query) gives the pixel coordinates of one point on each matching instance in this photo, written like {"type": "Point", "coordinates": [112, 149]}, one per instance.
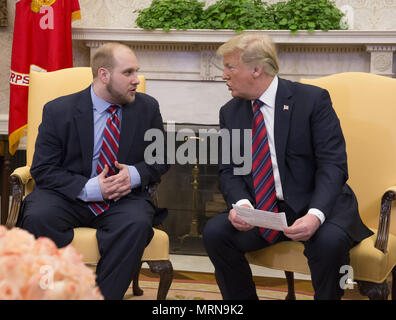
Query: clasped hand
{"type": "Point", "coordinates": [115, 186]}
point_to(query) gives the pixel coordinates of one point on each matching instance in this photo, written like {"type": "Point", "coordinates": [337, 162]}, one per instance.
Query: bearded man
{"type": "Point", "coordinates": [89, 168]}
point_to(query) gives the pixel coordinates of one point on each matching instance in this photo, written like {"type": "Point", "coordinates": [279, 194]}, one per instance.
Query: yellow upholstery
{"type": "Point", "coordinates": [46, 86]}
{"type": "Point", "coordinates": [85, 242]}
{"type": "Point", "coordinates": [286, 256]}
{"type": "Point", "coordinates": [366, 106]}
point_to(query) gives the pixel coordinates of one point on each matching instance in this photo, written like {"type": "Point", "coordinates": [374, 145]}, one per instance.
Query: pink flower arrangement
{"type": "Point", "coordinates": [33, 269]}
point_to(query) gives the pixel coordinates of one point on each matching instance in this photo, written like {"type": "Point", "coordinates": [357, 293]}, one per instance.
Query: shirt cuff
{"type": "Point", "coordinates": [135, 177]}
{"type": "Point", "coordinates": [319, 214]}
{"type": "Point", "coordinates": [244, 201]}
{"type": "Point", "coordinates": [91, 191]}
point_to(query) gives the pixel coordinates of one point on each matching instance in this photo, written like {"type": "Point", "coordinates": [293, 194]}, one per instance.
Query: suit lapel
{"type": "Point", "coordinates": [84, 121]}
{"type": "Point", "coordinates": [246, 115]}
{"type": "Point", "coordinates": [283, 112]}
{"type": "Point", "coordinates": [245, 119]}
{"type": "Point", "coordinates": [128, 128]}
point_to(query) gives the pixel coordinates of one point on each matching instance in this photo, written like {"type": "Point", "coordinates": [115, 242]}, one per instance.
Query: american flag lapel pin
{"type": "Point", "coordinates": [285, 107]}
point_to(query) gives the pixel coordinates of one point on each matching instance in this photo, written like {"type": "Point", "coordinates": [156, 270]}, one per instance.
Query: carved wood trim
{"type": "Point", "coordinates": [17, 191]}
{"type": "Point", "coordinates": [165, 269]}
{"type": "Point", "coordinates": [290, 286]}
{"type": "Point", "coordinates": [374, 291]}
{"type": "Point", "coordinates": [381, 241]}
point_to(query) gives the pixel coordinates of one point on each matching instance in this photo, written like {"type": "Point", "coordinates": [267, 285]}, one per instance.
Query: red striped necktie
{"type": "Point", "coordinates": [263, 177]}
{"type": "Point", "coordinates": [108, 153]}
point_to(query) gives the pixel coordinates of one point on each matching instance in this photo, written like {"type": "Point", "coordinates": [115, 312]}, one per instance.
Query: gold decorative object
{"type": "Point", "coordinates": [193, 233]}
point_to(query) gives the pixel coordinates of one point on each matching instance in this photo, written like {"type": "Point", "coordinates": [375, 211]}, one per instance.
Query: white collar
{"type": "Point", "coordinates": [269, 95]}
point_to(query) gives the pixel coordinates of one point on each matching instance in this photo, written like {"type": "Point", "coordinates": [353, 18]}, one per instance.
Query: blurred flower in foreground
{"type": "Point", "coordinates": [33, 269]}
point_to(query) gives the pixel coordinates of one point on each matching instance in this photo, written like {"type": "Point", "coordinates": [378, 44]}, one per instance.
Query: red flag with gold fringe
{"type": "Point", "coordinates": [42, 42]}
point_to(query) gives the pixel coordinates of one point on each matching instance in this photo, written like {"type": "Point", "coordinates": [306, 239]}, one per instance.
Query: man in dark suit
{"type": "Point", "coordinates": [298, 140]}
{"type": "Point", "coordinates": [75, 173]}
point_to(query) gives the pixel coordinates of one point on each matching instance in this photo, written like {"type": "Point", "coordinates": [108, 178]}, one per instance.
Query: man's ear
{"type": "Point", "coordinates": [104, 75]}
{"type": "Point", "coordinates": [257, 71]}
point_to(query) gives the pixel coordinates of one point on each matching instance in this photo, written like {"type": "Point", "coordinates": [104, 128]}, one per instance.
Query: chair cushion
{"type": "Point", "coordinates": [158, 248]}
{"type": "Point", "coordinates": [285, 255]}
{"type": "Point", "coordinates": [369, 263]}
{"type": "Point", "coordinates": [85, 242]}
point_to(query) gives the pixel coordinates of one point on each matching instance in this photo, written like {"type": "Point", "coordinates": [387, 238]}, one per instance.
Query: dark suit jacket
{"type": "Point", "coordinates": [310, 150]}
{"type": "Point", "coordinates": [64, 147]}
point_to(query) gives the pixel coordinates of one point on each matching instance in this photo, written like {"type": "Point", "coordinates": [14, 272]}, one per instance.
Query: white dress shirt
{"type": "Point", "coordinates": [268, 110]}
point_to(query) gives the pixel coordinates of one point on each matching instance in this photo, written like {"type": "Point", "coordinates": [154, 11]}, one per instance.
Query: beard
{"type": "Point", "coordinates": [117, 96]}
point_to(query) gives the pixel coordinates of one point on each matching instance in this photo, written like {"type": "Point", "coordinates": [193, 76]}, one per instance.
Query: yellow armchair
{"type": "Point", "coordinates": [366, 106]}
{"type": "Point", "coordinates": [43, 88]}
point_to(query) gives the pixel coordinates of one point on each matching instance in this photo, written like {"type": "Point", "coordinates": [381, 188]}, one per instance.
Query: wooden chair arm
{"type": "Point", "coordinates": [153, 193]}
{"type": "Point", "coordinates": [381, 242]}
{"type": "Point", "coordinates": [18, 179]}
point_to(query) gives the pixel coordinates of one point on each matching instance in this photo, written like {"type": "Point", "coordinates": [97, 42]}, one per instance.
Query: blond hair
{"type": "Point", "coordinates": [104, 57]}
{"type": "Point", "coordinates": [255, 49]}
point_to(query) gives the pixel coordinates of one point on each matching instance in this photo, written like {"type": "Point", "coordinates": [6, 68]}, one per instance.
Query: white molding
{"type": "Point", "coordinates": [221, 36]}
{"type": "Point", "coordinates": [379, 44]}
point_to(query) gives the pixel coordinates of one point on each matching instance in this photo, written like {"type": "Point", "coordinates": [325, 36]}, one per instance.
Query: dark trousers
{"type": "Point", "coordinates": [326, 251]}
{"type": "Point", "coordinates": [123, 232]}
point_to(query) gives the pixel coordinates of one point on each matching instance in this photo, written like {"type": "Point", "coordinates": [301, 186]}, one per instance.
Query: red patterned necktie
{"type": "Point", "coordinates": [108, 153]}
{"type": "Point", "coordinates": [263, 177]}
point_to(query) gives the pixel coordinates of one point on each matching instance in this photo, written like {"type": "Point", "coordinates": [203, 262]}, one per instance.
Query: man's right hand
{"type": "Point", "coordinates": [237, 222]}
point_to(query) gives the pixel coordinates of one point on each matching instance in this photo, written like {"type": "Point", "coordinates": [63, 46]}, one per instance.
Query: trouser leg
{"type": "Point", "coordinates": [327, 251]}
{"type": "Point", "coordinates": [226, 248]}
{"type": "Point", "coordinates": [46, 213]}
{"type": "Point", "coordinates": [123, 232]}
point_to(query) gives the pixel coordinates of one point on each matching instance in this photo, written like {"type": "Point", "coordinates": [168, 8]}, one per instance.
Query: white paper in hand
{"type": "Point", "coordinates": [260, 218]}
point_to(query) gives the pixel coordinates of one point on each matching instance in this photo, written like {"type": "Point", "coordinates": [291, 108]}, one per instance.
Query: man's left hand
{"type": "Point", "coordinates": [119, 184]}
{"type": "Point", "coordinates": [303, 228]}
